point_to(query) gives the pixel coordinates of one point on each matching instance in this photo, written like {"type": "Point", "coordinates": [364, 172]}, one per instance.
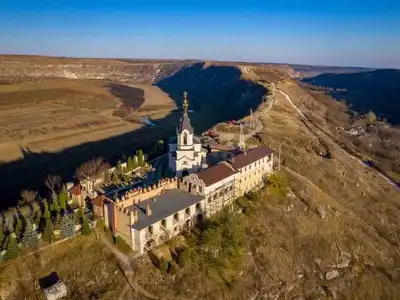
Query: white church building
{"type": "Point", "coordinates": [185, 153]}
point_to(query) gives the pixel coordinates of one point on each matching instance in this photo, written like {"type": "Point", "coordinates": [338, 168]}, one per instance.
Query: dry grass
{"type": "Point", "coordinates": [51, 114]}
{"type": "Point", "coordinates": [290, 246]}
{"type": "Point", "coordinates": [89, 270]}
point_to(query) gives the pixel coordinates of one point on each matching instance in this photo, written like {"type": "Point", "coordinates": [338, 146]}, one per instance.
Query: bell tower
{"type": "Point", "coordinates": [186, 155]}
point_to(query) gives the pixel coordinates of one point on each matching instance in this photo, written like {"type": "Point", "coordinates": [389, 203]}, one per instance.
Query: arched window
{"type": "Point", "coordinates": [185, 138]}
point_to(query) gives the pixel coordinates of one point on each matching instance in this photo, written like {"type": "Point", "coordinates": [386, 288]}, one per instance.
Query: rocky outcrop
{"type": "Point", "coordinates": [113, 70]}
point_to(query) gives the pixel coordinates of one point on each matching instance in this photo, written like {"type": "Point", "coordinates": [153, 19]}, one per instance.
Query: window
{"type": "Point", "coordinates": [185, 138]}
{"type": "Point", "coordinates": [200, 189]}
{"type": "Point", "coordinates": [150, 229]}
{"type": "Point", "coordinates": [208, 200]}
{"type": "Point", "coordinates": [176, 217]}
{"type": "Point", "coordinates": [164, 223]}
{"type": "Point", "coordinates": [187, 211]}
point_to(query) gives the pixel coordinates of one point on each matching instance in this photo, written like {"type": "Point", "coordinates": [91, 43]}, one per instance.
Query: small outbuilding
{"type": "Point", "coordinates": [53, 288]}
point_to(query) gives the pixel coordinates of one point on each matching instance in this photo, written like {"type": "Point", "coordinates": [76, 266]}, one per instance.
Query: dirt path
{"type": "Point", "coordinates": [322, 134]}
{"type": "Point", "coordinates": [125, 264]}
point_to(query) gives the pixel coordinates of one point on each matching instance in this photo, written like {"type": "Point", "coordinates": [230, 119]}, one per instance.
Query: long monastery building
{"type": "Point", "coordinates": [147, 217]}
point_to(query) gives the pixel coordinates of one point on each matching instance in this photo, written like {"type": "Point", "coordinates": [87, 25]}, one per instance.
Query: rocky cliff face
{"type": "Point", "coordinates": [112, 70]}
{"type": "Point", "coordinates": [211, 87]}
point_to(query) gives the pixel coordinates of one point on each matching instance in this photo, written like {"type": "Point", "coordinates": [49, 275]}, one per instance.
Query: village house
{"type": "Point", "coordinates": [147, 217]}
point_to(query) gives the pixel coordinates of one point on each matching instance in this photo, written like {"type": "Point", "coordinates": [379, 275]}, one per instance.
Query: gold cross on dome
{"type": "Point", "coordinates": [185, 102]}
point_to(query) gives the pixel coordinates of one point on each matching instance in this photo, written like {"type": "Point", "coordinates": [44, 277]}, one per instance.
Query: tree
{"type": "Point", "coordinates": [12, 248]}
{"type": "Point", "coordinates": [80, 213]}
{"type": "Point", "coordinates": [18, 227]}
{"type": "Point", "coordinates": [135, 162]}
{"type": "Point", "coordinates": [30, 237]}
{"type": "Point", "coordinates": [37, 218]}
{"type": "Point", "coordinates": [46, 213]}
{"type": "Point", "coordinates": [48, 231]}
{"type": "Point", "coordinates": [140, 157]}
{"type": "Point", "coordinates": [125, 178]}
{"type": "Point", "coordinates": [129, 164]}
{"type": "Point", "coordinates": [27, 197]}
{"type": "Point", "coordinates": [63, 198]}
{"type": "Point", "coordinates": [114, 177]}
{"type": "Point", "coordinates": [85, 229]}
{"type": "Point", "coordinates": [67, 226]}
{"type": "Point", "coordinates": [52, 182]}
{"type": "Point", "coordinates": [118, 169]}
{"type": "Point", "coordinates": [55, 206]}
{"type": "Point", "coordinates": [91, 170]}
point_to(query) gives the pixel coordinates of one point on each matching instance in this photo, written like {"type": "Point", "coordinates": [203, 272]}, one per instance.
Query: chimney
{"type": "Point", "coordinates": [148, 210]}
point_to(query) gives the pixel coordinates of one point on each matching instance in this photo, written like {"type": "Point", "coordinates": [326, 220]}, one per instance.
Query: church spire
{"type": "Point", "coordinates": [185, 120]}
{"type": "Point", "coordinates": [185, 102]}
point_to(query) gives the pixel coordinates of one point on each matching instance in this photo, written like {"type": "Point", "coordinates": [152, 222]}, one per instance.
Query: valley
{"type": "Point", "coordinates": [326, 227]}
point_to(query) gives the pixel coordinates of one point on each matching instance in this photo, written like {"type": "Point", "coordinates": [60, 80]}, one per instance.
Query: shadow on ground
{"type": "Point", "coordinates": [217, 94]}
{"type": "Point", "coordinates": [376, 90]}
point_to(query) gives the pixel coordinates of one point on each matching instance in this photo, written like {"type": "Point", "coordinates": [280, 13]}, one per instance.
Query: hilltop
{"type": "Point", "coordinates": [327, 229]}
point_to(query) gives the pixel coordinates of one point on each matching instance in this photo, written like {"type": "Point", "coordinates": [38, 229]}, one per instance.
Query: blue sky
{"type": "Point", "coordinates": [340, 32]}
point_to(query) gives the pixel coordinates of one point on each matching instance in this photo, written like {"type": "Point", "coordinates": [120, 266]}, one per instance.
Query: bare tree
{"type": "Point", "coordinates": [91, 170]}
{"type": "Point", "coordinates": [28, 196]}
{"type": "Point", "coordinates": [52, 182]}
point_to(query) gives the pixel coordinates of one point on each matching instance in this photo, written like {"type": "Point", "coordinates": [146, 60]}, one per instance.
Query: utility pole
{"type": "Point", "coordinates": [242, 144]}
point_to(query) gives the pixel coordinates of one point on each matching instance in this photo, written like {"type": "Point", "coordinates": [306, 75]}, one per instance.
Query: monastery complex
{"type": "Point", "coordinates": [147, 217]}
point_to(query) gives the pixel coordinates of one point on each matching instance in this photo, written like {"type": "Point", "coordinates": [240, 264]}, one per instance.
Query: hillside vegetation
{"type": "Point", "coordinates": [376, 90]}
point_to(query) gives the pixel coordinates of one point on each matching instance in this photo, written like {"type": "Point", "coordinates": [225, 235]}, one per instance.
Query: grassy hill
{"type": "Point", "coordinates": [376, 90]}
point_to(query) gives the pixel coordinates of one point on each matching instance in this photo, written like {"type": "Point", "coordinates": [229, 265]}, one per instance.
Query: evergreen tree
{"type": "Point", "coordinates": [48, 231]}
{"type": "Point", "coordinates": [18, 227]}
{"type": "Point", "coordinates": [140, 157]}
{"type": "Point", "coordinates": [38, 217]}
{"type": "Point", "coordinates": [12, 247]}
{"type": "Point", "coordinates": [85, 229]}
{"type": "Point", "coordinates": [135, 163]}
{"type": "Point", "coordinates": [46, 213]}
{"type": "Point", "coordinates": [80, 213]}
{"type": "Point", "coordinates": [5, 242]}
{"type": "Point", "coordinates": [55, 205]}
{"type": "Point", "coordinates": [63, 198]}
{"type": "Point", "coordinates": [129, 164]}
{"type": "Point", "coordinates": [30, 237]}
{"type": "Point", "coordinates": [114, 177]}
{"type": "Point", "coordinates": [118, 169]}
{"type": "Point", "coordinates": [125, 178]}
{"type": "Point", "coordinates": [67, 226]}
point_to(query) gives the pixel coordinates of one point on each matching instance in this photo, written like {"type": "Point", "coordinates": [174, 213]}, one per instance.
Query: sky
{"type": "Point", "coordinates": [341, 32]}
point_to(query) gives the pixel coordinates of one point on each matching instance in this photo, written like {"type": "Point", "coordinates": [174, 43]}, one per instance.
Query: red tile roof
{"type": "Point", "coordinates": [241, 160]}
{"type": "Point", "coordinates": [99, 200]}
{"type": "Point", "coordinates": [216, 173]}
{"type": "Point", "coordinates": [76, 190]}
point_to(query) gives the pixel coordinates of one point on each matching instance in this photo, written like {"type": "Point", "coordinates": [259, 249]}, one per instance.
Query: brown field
{"type": "Point", "coordinates": [53, 114]}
